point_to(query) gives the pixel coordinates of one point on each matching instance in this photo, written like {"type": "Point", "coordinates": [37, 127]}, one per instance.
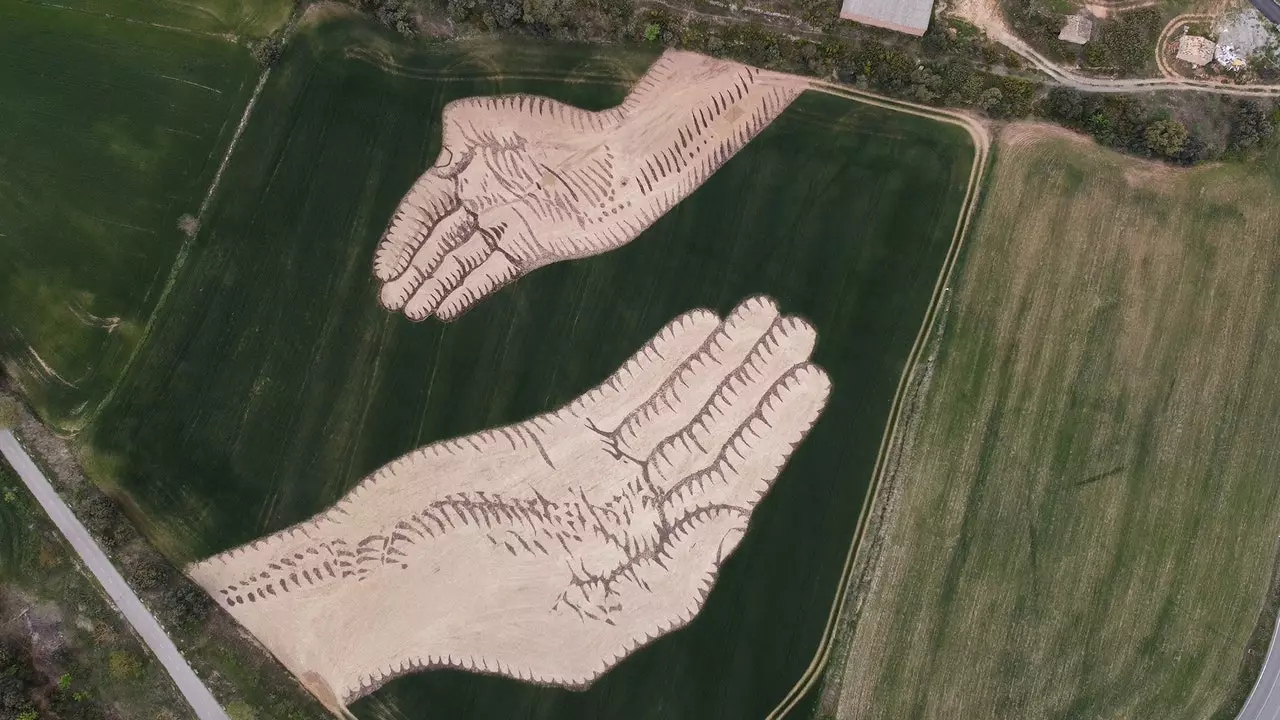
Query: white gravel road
{"type": "Point", "coordinates": [201, 700]}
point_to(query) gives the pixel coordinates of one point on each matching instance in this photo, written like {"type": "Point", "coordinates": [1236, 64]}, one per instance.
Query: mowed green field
{"type": "Point", "coordinates": [112, 130]}
{"type": "Point", "coordinates": [1086, 517]}
{"type": "Point", "coordinates": [272, 381]}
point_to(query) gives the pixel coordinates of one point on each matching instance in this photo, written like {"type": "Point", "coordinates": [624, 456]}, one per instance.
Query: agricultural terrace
{"type": "Point", "coordinates": [113, 130]}
{"type": "Point", "coordinates": [272, 381]}
{"type": "Point", "coordinates": [1083, 521]}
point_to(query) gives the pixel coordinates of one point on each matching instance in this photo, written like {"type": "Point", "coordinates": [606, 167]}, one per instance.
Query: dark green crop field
{"type": "Point", "coordinates": [112, 131]}
{"type": "Point", "coordinates": [272, 381]}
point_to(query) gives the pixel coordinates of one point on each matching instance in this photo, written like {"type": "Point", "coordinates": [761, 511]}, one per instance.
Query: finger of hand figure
{"type": "Point", "coordinates": [496, 270]}
{"type": "Point", "coordinates": [748, 464]}
{"type": "Point", "coordinates": [679, 399]}
{"type": "Point", "coordinates": [643, 375]}
{"type": "Point", "coordinates": [447, 275]}
{"type": "Point", "coordinates": [430, 199]}
{"type": "Point", "coordinates": [452, 230]}
{"type": "Point", "coordinates": [787, 344]}
{"type": "Point", "coordinates": [664, 590]}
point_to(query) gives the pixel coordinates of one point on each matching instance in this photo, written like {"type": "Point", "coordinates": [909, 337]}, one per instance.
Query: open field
{"type": "Point", "coordinates": [113, 130]}
{"type": "Point", "coordinates": [243, 18]}
{"type": "Point", "coordinates": [1083, 522]}
{"type": "Point", "coordinates": [63, 646]}
{"type": "Point", "coordinates": [273, 381]}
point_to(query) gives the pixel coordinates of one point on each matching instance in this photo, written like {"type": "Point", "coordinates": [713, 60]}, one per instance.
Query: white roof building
{"type": "Point", "coordinates": [907, 16]}
{"type": "Point", "coordinates": [1078, 30]}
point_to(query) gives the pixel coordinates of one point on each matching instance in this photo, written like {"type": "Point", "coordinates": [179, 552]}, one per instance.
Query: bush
{"type": "Point", "coordinates": [1129, 41]}
{"type": "Point", "coordinates": [123, 666]}
{"type": "Point", "coordinates": [267, 50]}
{"type": "Point", "coordinates": [10, 412]}
{"type": "Point", "coordinates": [1250, 125]}
{"type": "Point", "coordinates": [1165, 138]}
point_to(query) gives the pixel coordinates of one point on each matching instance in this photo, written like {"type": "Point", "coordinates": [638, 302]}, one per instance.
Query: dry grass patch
{"type": "Point", "coordinates": [1085, 522]}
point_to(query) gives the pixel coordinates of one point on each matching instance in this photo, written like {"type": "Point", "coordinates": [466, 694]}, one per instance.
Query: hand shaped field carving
{"type": "Point", "coordinates": [550, 549]}
{"type": "Point", "coordinates": [524, 181]}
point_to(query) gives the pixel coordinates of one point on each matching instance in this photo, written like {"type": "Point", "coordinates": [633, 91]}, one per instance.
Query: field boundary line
{"type": "Point", "coordinates": [179, 262]}
{"type": "Point", "coordinates": [981, 137]}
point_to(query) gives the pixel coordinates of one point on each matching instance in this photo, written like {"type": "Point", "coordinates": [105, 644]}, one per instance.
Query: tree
{"type": "Point", "coordinates": [267, 50]}
{"type": "Point", "coordinates": [1250, 124]}
{"type": "Point", "coordinates": [1166, 137]}
{"type": "Point", "coordinates": [1065, 103]}
{"type": "Point", "coordinates": [990, 99]}
{"type": "Point", "coordinates": [652, 32]}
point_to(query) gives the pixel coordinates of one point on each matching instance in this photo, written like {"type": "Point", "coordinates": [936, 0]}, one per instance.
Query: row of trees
{"type": "Point", "coordinates": [1125, 123]}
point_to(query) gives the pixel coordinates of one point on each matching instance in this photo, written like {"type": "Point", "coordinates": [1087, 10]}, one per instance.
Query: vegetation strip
{"type": "Point", "coordinates": [130, 606]}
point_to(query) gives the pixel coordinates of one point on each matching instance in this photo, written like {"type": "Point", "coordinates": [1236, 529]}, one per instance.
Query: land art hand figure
{"type": "Point", "coordinates": [550, 549]}
{"type": "Point", "coordinates": [524, 181]}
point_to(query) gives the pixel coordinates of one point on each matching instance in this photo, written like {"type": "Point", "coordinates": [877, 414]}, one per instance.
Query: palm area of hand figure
{"type": "Point", "coordinates": [551, 548]}
{"type": "Point", "coordinates": [623, 504]}
{"type": "Point", "coordinates": [524, 181]}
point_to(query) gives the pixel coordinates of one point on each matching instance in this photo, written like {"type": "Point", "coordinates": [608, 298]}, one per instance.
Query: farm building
{"type": "Point", "coordinates": [1078, 30]}
{"type": "Point", "coordinates": [907, 16]}
{"type": "Point", "coordinates": [1196, 50]}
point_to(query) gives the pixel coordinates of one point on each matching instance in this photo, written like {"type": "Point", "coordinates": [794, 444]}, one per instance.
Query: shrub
{"type": "Point", "coordinates": [123, 666]}
{"type": "Point", "coordinates": [1166, 137]}
{"type": "Point", "coordinates": [1250, 125]}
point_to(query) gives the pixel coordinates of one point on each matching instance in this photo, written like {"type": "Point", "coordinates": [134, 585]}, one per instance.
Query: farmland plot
{"type": "Point", "coordinates": [113, 130]}
{"type": "Point", "coordinates": [1086, 512]}
{"type": "Point", "coordinates": [273, 381]}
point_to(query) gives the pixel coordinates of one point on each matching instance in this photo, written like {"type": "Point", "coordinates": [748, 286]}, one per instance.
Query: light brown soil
{"type": "Point", "coordinates": [547, 550]}
{"type": "Point", "coordinates": [524, 181]}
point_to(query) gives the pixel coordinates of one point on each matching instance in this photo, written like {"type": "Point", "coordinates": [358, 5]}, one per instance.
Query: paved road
{"type": "Point", "coordinates": [1264, 701]}
{"type": "Point", "coordinates": [130, 606]}
{"type": "Point", "coordinates": [1269, 9]}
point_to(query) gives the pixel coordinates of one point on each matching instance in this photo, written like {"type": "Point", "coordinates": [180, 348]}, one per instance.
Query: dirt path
{"type": "Point", "coordinates": [985, 14]}
{"type": "Point", "coordinates": [895, 422]}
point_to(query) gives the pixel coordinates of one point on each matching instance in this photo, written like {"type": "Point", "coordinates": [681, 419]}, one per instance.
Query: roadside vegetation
{"type": "Point", "coordinates": [47, 580]}
{"type": "Point", "coordinates": [65, 653]}
{"type": "Point", "coordinates": [1083, 521]}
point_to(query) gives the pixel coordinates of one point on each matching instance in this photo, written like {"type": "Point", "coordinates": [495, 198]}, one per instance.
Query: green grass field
{"type": "Point", "coordinates": [112, 131]}
{"type": "Point", "coordinates": [1086, 515]}
{"type": "Point", "coordinates": [241, 18]}
{"type": "Point", "coordinates": [272, 381]}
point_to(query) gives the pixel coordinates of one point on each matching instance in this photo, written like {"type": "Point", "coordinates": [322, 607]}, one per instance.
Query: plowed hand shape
{"type": "Point", "coordinates": [550, 549]}
{"type": "Point", "coordinates": [524, 181]}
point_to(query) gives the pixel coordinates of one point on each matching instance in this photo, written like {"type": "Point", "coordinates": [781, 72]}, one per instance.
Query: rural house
{"type": "Point", "coordinates": [906, 16]}
{"type": "Point", "coordinates": [1078, 30]}
{"type": "Point", "coordinates": [1196, 50]}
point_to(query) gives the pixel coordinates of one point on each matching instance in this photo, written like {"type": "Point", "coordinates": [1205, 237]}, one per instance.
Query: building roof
{"type": "Point", "coordinates": [1196, 50]}
{"type": "Point", "coordinates": [1078, 30]}
{"type": "Point", "coordinates": [907, 16]}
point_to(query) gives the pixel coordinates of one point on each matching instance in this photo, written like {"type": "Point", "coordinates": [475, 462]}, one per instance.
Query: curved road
{"type": "Point", "coordinates": [1269, 9]}
{"type": "Point", "coordinates": [201, 700]}
{"type": "Point", "coordinates": [1264, 700]}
